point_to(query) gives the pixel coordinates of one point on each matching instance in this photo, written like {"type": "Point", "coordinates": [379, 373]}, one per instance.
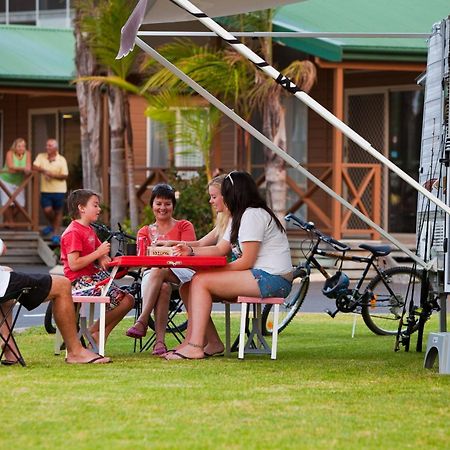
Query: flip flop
{"type": "Point", "coordinates": [179, 357]}
{"type": "Point", "coordinates": [96, 360]}
{"type": "Point", "coordinates": [216, 354]}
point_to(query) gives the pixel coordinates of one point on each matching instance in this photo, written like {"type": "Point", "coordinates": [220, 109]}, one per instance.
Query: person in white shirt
{"type": "Point", "coordinates": [261, 267]}
{"type": "Point", "coordinates": [42, 288]}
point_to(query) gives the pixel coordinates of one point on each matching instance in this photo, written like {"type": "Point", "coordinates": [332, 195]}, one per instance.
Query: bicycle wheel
{"type": "Point", "coordinates": [50, 328]}
{"type": "Point", "coordinates": [288, 309]}
{"type": "Point", "coordinates": [177, 317]}
{"type": "Point", "coordinates": [383, 312]}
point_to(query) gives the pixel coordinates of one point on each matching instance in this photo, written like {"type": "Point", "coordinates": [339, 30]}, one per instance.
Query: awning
{"type": "Point", "coordinates": [399, 16]}
{"type": "Point", "coordinates": [162, 11]}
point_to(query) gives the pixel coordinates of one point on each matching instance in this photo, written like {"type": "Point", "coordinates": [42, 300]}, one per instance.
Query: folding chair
{"type": "Point", "coordinates": [5, 312]}
{"type": "Point", "coordinates": [176, 329]}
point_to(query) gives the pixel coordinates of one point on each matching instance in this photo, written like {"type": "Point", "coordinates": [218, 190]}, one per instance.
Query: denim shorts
{"type": "Point", "coordinates": [53, 199]}
{"type": "Point", "coordinates": [271, 285]}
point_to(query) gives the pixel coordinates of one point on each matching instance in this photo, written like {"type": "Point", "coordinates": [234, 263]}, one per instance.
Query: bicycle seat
{"type": "Point", "coordinates": [377, 250]}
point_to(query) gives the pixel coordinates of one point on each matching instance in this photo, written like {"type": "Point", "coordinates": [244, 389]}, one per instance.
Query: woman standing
{"type": "Point", "coordinates": [17, 165]}
{"type": "Point", "coordinates": [262, 267]}
{"type": "Point", "coordinates": [155, 286]}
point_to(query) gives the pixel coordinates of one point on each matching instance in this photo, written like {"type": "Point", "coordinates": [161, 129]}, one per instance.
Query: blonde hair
{"type": "Point", "coordinates": [16, 142]}
{"type": "Point", "coordinates": [222, 218]}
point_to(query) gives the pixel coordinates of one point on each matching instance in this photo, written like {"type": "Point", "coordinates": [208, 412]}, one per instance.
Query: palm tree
{"type": "Point", "coordinates": [231, 77]}
{"type": "Point", "coordinates": [90, 105]}
{"type": "Point", "coordinates": [102, 21]}
{"type": "Point", "coordinates": [266, 96]}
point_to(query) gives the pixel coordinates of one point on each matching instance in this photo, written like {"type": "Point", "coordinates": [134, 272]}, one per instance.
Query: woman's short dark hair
{"type": "Point", "coordinates": [79, 197]}
{"type": "Point", "coordinates": [239, 192]}
{"type": "Point", "coordinates": [163, 190]}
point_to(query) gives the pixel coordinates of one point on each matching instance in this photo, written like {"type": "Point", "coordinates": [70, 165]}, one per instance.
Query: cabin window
{"type": "Point", "coordinates": [179, 139]}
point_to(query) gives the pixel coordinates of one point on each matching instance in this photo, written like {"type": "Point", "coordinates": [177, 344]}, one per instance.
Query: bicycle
{"type": "Point", "coordinates": [380, 303]}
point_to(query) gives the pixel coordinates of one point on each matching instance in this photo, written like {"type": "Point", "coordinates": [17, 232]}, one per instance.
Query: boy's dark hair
{"type": "Point", "coordinates": [163, 190]}
{"type": "Point", "coordinates": [77, 198]}
{"type": "Point", "coordinates": [240, 192]}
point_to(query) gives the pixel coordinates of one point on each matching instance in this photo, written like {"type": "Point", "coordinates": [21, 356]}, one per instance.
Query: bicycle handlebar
{"type": "Point", "coordinates": [119, 235]}
{"type": "Point", "coordinates": [311, 228]}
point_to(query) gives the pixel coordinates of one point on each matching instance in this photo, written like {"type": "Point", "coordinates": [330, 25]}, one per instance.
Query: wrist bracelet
{"type": "Point", "coordinates": [192, 251]}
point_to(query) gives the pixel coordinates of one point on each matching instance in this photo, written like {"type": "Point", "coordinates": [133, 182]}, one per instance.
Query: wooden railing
{"type": "Point", "coordinates": [26, 217]}
{"type": "Point", "coordinates": [365, 195]}
{"type": "Point", "coordinates": [361, 187]}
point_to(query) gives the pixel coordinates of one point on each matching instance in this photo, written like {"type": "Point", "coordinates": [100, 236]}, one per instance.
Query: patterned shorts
{"type": "Point", "coordinates": [115, 293]}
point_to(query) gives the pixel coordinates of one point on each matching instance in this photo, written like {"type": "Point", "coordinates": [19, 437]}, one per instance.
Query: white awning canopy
{"type": "Point", "coordinates": [158, 11]}
{"type": "Point", "coordinates": [164, 11]}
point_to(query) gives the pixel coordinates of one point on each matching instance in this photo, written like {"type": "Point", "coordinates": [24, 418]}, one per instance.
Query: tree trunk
{"type": "Point", "coordinates": [274, 128]}
{"type": "Point", "coordinates": [117, 170]}
{"type": "Point", "coordinates": [129, 152]}
{"type": "Point", "coordinates": [90, 105]}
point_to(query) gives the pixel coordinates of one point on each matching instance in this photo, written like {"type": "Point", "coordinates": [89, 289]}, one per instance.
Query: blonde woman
{"type": "Point", "coordinates": [213, 345]}
{"type": "Point", "coordinates": [17, 165]}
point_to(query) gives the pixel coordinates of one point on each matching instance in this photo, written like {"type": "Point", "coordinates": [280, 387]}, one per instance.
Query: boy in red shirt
{"type": "Point", "coordinates": [86, 259]}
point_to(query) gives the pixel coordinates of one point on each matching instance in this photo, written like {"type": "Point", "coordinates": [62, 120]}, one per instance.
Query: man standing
{"type": "Point", "coordinates": [54, 173]}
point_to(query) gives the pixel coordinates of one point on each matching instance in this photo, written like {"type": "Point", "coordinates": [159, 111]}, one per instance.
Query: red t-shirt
{"type": "Point", "coordinates": [183, 230]}
{"type": "Point", "coordinates": [82, 239]}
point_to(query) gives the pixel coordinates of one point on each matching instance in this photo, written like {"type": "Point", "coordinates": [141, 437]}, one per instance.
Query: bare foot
{"type": "Point", "coordinates": [188, 351]}
{"type": "Point", "coordinates": [86, 357]}
{"type": "Point", "coordinates": [215, 349]}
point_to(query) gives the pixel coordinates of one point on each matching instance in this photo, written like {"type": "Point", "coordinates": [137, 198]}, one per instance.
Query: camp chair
{"type": "Point", "coordinates": [5, 312]}
{"type": "Point", "coordinates": [175, 326]}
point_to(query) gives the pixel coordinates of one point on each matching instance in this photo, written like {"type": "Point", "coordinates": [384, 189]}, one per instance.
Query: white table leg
{"type": "Point", "coordinates": [101, 335]}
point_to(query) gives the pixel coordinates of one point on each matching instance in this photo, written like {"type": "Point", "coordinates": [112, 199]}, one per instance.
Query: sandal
{"type": "Point", "coordinates": [159, 348]}
{"type": "Point", "coordinates": [135, 332]}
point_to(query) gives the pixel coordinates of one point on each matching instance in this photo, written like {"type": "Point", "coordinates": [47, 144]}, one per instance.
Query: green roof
{"type": "Point", "coordinates": [361, 16]}
{"type": "Point", "coordinates": [36, 56]}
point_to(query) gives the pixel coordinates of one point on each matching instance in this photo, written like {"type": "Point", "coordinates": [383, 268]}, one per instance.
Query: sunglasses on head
{"type": "Point", "coordinates": [230, 177]}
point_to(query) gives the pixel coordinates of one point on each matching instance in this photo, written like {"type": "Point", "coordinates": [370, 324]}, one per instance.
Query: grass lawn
{"type": "Point", "coordinates": [325, 391]}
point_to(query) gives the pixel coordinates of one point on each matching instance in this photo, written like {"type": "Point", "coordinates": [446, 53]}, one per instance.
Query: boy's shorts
{"type": "Point", "coordinates": [271, 285]}
{"type": "Point", "coordinates": [40, 286]}
{"type": "Point", "coordinates": [115, 293]}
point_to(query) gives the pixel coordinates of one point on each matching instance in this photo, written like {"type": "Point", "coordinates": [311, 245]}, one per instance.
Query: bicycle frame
{"type": "Point", "coordinates": [356, 297]}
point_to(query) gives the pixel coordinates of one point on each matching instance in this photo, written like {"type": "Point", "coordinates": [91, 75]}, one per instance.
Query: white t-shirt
{"type": "Point", "coordinates": [257, 225]}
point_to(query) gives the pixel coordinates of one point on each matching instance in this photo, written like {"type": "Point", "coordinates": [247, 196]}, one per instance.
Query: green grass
{"type": "Point", "coordinates": [325, 391]}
